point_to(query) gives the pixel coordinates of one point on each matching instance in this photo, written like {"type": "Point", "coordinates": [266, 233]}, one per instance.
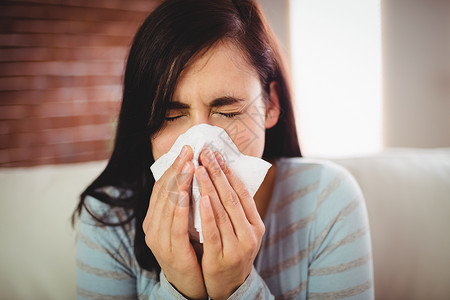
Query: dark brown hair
{"type": "Point", "coordinates": [172, 34]}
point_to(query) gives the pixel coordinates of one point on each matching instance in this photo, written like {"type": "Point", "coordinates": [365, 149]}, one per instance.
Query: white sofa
{"type": "Point", "coordinates": [407, 194]}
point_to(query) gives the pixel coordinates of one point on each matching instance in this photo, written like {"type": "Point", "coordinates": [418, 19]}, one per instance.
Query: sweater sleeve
{"type": "Point", "coordinates": [106, 266]}
{"type": "Point", "coordinates": [253, 287]}
{"type": "Point", "coordinates": [340, 257]}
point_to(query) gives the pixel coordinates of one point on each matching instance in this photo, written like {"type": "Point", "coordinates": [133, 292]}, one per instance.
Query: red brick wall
{"type": "Point", "coordinates": [61, 68]}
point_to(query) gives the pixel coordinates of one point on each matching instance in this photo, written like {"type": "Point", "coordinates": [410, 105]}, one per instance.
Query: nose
{"type": "Point", "coordinates": [201, 117]}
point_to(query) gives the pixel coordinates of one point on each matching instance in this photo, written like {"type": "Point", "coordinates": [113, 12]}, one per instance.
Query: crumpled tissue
{"type": "Point", "coordinates": [251, 170]}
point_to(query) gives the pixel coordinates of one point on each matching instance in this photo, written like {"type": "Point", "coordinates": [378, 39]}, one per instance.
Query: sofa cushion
{"type": "Point", "coordinates": [407, 193]}
{"type": "Point", "coordinates": [37, 258]}
{"type": "Point", "coordinates": [408, 200]}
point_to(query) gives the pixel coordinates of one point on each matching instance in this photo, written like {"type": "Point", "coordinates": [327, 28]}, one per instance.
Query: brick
{"type": "Point", "coordinates": [18, 140]}
{"type": "Point", "coordinates": [60, 12]}
{"type": "Point", "coordinates": [137, 6]}
{"type": "Point", "coordinates": [5, 127]}
{"type": "Point", "coordinates": [117, 28]}
{"type": "Point", "coordinates": [13, 155]}
{"type": "Point", "coordinates": [94, 132]}
{"type": "Point", "coordinates": [61, 40]}
{"type": "Point", "coordinates": [57, 136]}
{"type": "Point", "coordinates": [63, 54]}
{"type": "Point", "coordinates": [62, 95]}
{"type": "Point", "coordinates": [18, 125]}
{"type": "Point", "coordinates": [62, 68]}
{"type": "Point", "coordinates": [81, 147]}
{"type": "Point", "coordinates": [54, 109]}
{"type": "Point", "coordinates": [13, 112]}
{"type": "Point", "coordinates": [66, 109]}
{"type": "Point", "coordinates": [4, 157]}
{"type": "Point", "coordinates": [54, 82]}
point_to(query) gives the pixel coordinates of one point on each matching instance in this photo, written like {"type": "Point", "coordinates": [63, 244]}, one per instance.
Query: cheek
{"type": "Point", "coordinates": [248, 134]}
{"type": "Point", "coordinates": [250, 144]}
{"type": "Point", "coordinates": [162, 143]}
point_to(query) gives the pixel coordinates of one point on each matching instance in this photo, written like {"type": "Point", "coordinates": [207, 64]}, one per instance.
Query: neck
{"type": "Point", "coordinates": [264, 193]}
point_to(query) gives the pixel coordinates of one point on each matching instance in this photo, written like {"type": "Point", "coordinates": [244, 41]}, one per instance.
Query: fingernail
{"type": "Point", "coordinates": [185, 168]}
{"type": "Point", "coordinates": [220, 159]}
{"type": "Point", "coordinates": [203, 172]}
{"type": "Point", "coordinates": [209, 155]}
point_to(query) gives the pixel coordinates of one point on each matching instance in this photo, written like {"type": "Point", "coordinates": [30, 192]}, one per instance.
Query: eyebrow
{"type": "Point", "coordinates": [218, 102]}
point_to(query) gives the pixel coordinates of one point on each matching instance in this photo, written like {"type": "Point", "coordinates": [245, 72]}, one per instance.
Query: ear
{"type": "Point", "coordinates": [273, 106]}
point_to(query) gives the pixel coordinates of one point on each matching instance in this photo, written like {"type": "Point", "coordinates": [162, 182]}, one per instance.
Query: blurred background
{"type": "Point", "coordinates": [366, 74]}
{"type": "Point", "coordinates": [61, 67]}
{"type": "Point", "coordinates": [371, 81]}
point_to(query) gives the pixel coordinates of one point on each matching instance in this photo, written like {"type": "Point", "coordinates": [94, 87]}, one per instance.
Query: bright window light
{"type": "Point", "coordinates": [336, 68]}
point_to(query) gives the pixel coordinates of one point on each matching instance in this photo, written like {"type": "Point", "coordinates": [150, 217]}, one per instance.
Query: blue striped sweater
{"type": "Point", "coordinates": [316, 244]}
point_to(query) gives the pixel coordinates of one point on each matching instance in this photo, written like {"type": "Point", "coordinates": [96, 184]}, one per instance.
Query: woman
{"type": "Point", "coordinates": [216, 62]}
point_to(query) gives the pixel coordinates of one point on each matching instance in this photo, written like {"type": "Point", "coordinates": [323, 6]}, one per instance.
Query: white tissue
{"type": "Point", "coordinates": [251, 170]}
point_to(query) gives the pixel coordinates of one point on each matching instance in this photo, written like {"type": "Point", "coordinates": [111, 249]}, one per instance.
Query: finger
{"type": "Point", "coordinates": [159, 219]}
{"type": "Point", "coordinates": [146, 222]}
{"type": "Point", "coordinates": [179, 230]}
{"type": "Point", "coordinates": [227, 195]}
{"type": "Point", "coordinates": [180, 181]}
{"type": "Point", "coordinates": [180, 196]}
{"type": "Point", "coordinates": [212, 244]}
{"type": "Point", "coordinates": [246, 200]}
{"type": "Point", "coordinates": [185, 155]}
{"type": "Point", "coordinates": [162, 217]}
{"type": "Point", "coordinates": [167, 182]}
{"type": "Point", "coordinates": [155, 206]}
{"type": "Point", "coordinates": [220, 215]}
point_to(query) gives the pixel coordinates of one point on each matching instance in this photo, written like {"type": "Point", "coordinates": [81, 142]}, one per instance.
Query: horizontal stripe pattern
{"type": "Point", "coordinates": [294, 227]}
{"type": "Point", "coordinates": [291, 294]}
{"type": "Point", "coordinates": [353, 291]}
{"type": "Point", "coordinates": [316, 245]}
{"type": "Point", "coordinates": [97, 296]}
{"type": "Point", "coordinates": [118, 254]}
{"type": "Point", "coordinates": [340, 268]}
{"type": "Point", "coordinates": [330, 188]}
{"type": "Point", "coordinates": [295, 170]}
{"type": "Point", "coordinates": [347, 240]}
{"type": "Point", "coordinates": [285, 264]}
{"type": "Point", "coordinates": [324, 233]}
{"type": "Point", "coordinates": [302, 223]}
{"type": "Point", "coordinates": [285, 201]}
{"type": "Point", "coordinates": [117, 275]}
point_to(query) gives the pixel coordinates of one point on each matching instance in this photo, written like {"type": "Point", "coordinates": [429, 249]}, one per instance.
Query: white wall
{"type": "Point", "coordinates": [336, 59]}
{"type": "Point", "coordinates": [416, 69]}
{"type": "Point", "coordinates": [277, 13]}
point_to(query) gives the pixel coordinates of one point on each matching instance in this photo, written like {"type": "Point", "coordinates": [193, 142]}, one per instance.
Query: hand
{"type": "Point", "coordinates": [166, 228]}
{"type": "Point", "coordinates": [232, 227]}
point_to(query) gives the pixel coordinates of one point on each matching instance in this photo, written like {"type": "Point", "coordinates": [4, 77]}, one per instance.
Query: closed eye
{"type": "Point", "coordinates": [170, 119]}
{"type": "Point", "coordinates": [230, 115]}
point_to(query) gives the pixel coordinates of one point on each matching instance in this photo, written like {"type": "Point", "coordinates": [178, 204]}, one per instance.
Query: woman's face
{"type": "Point", "coordinates": [219, 88]}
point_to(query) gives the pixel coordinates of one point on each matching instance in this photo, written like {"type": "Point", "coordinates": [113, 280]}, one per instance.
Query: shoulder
{"type": "Point", "coordinates": [336, 201]}
{"type": "Point", "coordinates": [106, 226]}
{"type": "Point", "coordinates": [297, 165]}
{"type": "Point", "coordinates": [318, 213]}
{"type": "Point", "coordinates": [320, 187]}
{"type": "Point", "coordinates": [97, 212]}
{"type": "Point", "coordinates": [106, 262]}
{"type": "Point", "coordinates": [324, 175]}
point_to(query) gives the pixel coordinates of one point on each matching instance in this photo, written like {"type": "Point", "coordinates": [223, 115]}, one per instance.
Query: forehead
{"type": "Point", "coordinates": [221, 69]}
